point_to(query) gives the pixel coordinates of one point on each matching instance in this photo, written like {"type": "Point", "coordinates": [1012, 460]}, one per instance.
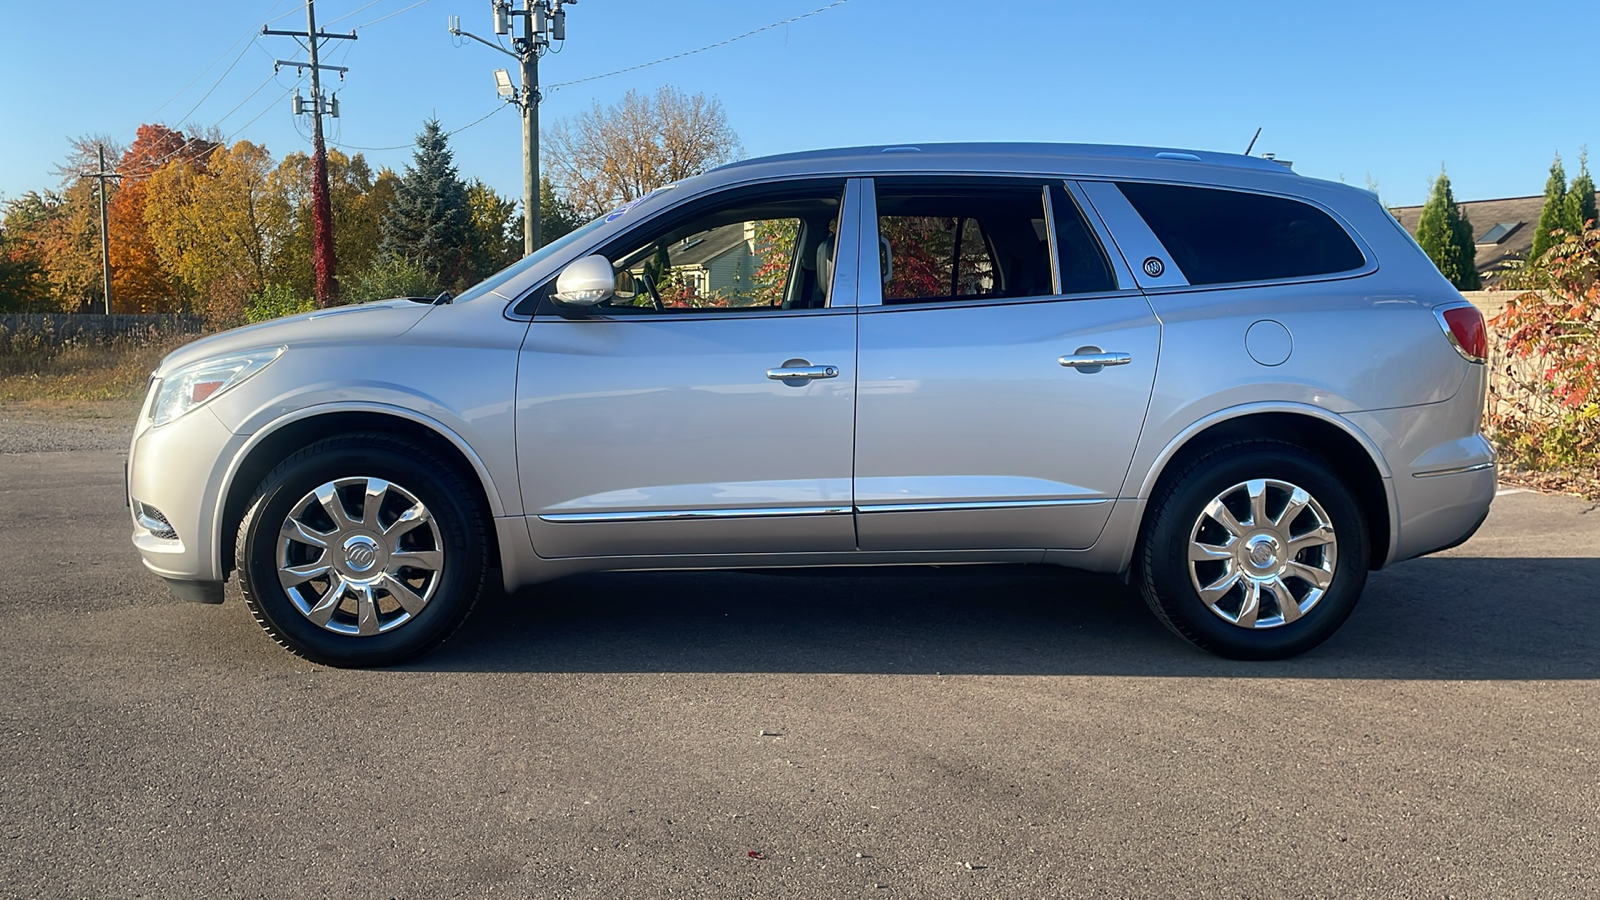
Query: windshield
{"type": "Point", "coordinates": [522, 265]}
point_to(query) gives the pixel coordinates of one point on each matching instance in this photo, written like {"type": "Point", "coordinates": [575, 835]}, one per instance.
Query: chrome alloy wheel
{"type": "Point", "coordinates": [1262, 554]}
{"type": "Point", "coordinates": [359, 556]}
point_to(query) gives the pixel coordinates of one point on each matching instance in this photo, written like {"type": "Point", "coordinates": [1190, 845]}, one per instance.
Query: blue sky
{"type": "Point", "coordinates": [1391, 89]}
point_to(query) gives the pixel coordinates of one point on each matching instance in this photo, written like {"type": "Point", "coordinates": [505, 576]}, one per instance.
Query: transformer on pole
{"type": "Point", "coordinates": [542, 22]}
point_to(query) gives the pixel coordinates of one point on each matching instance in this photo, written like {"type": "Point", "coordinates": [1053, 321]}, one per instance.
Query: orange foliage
{"type": "Point", "coordinates": [140, 284]}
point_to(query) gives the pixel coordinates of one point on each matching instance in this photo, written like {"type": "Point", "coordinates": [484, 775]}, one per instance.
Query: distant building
{"type": "Point", "coordinates": [1501, 229]}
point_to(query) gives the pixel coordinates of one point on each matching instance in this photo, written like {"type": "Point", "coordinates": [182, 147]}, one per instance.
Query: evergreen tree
{"type": "Point", "coordinates": [1445, 232]}
{"type": "Point", "coordinates": [1554, 213]}
{"type": "Point", "coordinates": [557, 217]}
{"type": "Point", "coordinates": [1580, 205]}
{"type": "Point", "coordinates": [429, 223]}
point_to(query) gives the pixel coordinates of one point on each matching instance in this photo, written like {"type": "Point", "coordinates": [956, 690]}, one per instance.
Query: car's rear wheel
{"type": "Point", "coordinates": [1256, 550]}
{"type": "Point", "coordinates": [362, 550]}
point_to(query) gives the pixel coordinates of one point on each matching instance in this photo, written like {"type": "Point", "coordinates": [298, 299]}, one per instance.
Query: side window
{"type": "Point", "coordinates": [1221, 236]}
{"type": "Point", "coordinates": [969, 239]}
{"type": "Point", "coordinates": [940, 241]}
{"type": "Point", "coordinates": [750, 250]}
{"type": "Point", "coordinates": [1084, 266]}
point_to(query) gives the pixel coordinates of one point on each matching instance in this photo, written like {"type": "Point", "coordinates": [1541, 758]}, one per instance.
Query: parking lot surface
{"type": "Point", "coordinates": [914, 733]}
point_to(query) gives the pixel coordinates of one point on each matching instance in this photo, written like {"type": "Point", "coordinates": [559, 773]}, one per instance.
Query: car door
{"type": "Point", "coordinates": [708, 407]}
{"type": "Point", "coordinates": [1006, 362]}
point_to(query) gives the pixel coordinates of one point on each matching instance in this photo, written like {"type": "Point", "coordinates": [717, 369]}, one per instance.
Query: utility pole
{"type": "Point", "coordinates": [543, 21]}
{"type": "Point", "coordinates": [322, 257]}
{"type": "Point", "coordinates": [105, 242]}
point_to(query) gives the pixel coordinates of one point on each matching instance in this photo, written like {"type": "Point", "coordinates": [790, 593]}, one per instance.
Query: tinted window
{"type": "Point", "coordinates": [947, 241]}
{"type": "Point", "coordinates": [1218, 236]}
{"type": "Point", "coordinates": [1084, 267]}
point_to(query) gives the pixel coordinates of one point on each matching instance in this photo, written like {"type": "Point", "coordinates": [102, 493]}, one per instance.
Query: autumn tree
{"type": "Point", "coordinates": [23, 285]}
{"type": "Point", "coordinates": [429, 223]}
{"type": "Point", "coordinates": [496, 230]}
{"type": "Point", "coordinates": [1445, 233]}
{"type": "Point", "coordinates": [57, 233]}
{"type": "Point", "coordinates": [211, 227]}
{"type": "Point", "coordinates": [608, 155]}
{"type": "Point", "coordinates": [139, 282]}
{"type": "Point", "coordinates": [359, 201]}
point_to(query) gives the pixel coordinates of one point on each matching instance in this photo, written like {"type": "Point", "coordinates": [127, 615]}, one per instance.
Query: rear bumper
{"type": "Point", "coordinates": [1438, 512]}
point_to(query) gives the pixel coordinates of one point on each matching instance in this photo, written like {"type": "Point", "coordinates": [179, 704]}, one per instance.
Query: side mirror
{"type": "Point", "coordinates": [585, 282]}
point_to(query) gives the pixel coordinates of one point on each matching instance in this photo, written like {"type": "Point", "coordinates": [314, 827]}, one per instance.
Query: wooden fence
{"type": "Point", "coordinates": [55, 328]}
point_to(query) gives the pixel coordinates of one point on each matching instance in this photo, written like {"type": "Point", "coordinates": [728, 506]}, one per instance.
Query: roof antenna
{"type": "Point", "coordinates": [1252, 143]}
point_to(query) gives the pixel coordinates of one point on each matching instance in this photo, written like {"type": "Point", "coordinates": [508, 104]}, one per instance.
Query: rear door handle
{"type": "Point", "coordinates": [804, 373]}
{"type": "Point", "coordinates": [1089, 363]}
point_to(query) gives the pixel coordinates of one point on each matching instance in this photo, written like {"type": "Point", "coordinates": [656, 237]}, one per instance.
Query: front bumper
{"type": "Point", "coordinates": [178, 470]}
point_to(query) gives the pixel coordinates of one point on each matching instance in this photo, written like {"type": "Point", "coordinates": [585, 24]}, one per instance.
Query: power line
{"type": "Point", "coordinates": [151, 167]}
{"type": "Point", "coordinates": [390, 15]}
{"type": "Point", "coordinates": [248, 35]}
{"type": "Point", "coordinates": [270, 79]}
{"type": "Point", "coordinates": [276, 100]}
{"type": "Point", "coordinates": [218, 83]}
{"type": "Point", "coordinates": [413, 144]}
{"type": "Point", "coordinates": [351, 13]}
{"type": "Point", "coordinates": [322, 249]}
{"type": "Point", "coordinates": [657, 62]}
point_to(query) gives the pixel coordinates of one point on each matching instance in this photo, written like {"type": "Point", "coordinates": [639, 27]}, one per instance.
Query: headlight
{"type": "Point", "coordinates": [181, 390]}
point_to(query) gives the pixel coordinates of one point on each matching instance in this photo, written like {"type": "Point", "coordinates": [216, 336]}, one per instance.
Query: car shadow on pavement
{"type": "Point", "coordinates": [1437, 618]}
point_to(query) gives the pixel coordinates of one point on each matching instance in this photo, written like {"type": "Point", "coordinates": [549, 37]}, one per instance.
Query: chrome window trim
{"type": "Point", "coordinates": [1119, 266]}
{"type": "Point", "coordinates": [976, 504]}
{"type": "Point", "coordinates": [1050, 234]}
{"type": "Point", "coordinates": [678, 515]}
{"type": "Point", "coordinates": [999, 301]}
{"type": "Point", "coordinates": [756, 312]}
{"type": "Point", "coordinates": [846, 253]}
{"type": "Point", "coordinates": [869, 275]}
{"type": "Point", "coordinates": [1369, 267]}
{"type": "Point", "coordinates": [1132, 236]}
{"type": "Point", "coordinates": [509, 311]}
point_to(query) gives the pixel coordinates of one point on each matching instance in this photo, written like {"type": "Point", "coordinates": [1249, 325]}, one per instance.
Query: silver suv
{"type": "Point", "coordinates": [1238, 387]}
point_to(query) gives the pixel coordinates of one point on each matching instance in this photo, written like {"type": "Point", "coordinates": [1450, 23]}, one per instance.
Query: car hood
{"type": "Point", "coordinates": [379, 320]}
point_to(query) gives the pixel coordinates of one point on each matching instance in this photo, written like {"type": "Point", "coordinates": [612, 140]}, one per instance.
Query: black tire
{"type": "Point", "coordinates": [448, 498]}
{"type": "Point", "coordinates": [1162, 567]}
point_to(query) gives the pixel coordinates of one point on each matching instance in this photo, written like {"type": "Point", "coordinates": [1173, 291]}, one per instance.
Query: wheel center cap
{"type": "Point", "coordinates": [1263, 552]}
{"type": "Point", "coordinates": [360, 553]}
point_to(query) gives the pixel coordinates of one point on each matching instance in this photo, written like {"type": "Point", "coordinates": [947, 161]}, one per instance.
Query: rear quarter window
{"type": "Point", "coordinates": [1220, 236]}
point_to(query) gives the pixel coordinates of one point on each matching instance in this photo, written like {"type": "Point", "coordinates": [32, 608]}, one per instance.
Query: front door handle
{"type": "Point", "coordinates": [788, 372]}
{"type": "Point", "coordinates": [1090, 360]}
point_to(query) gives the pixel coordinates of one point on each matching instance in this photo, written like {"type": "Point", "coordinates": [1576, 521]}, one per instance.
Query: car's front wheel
{"type": "Point", "coordinates": [362, 550]}
{"type": "Point", "coordinates": [1256, 550]}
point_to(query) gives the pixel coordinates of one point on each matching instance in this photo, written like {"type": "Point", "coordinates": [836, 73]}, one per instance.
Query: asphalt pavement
{"type": "Point", "coordinates": [898, 733]}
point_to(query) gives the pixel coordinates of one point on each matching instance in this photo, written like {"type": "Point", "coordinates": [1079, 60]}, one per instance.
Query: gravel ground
{"type": "Point", "coordinates": [83, 426]}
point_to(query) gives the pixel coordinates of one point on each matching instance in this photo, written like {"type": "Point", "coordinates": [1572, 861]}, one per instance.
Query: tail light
{"type": "Point", "coordinates": [1463, 324]}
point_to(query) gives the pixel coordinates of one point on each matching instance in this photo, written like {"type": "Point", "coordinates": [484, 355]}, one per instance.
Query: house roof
{"type": "Point", "coordinates": [1495, 245]}
{"type": "Point", "coordinates": [709, 245]}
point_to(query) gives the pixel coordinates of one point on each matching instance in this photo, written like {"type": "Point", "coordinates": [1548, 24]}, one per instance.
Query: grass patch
{"type": "Point", "coordinates": [71, 373]}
